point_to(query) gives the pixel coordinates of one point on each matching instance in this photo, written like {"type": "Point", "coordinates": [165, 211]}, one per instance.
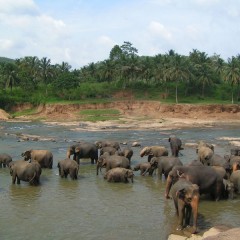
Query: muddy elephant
{"type": "Point", "coordinates": [5, 159]}
{"type": "Point", "coordinates": [154, 151]}
{"type": "Point", "coordinates": [164, 164]}
{"type": "Point", "coordinates": [109, 149]}
{"type": "Point", "coordinates": [234, 162]}
{"type": "Point", "coordinates": [112, 161]}
{"type": "Point", "coordinates": [186, 196]}
{"type": "Point", "coordinates": [126, 152]}
{"type": "Point", "coordinates": [235, 179]}
{"type": "Point", "coordinates": [68, 167]}
{"type": "Point", "coordinates": [21, 170]}
{"type": "Point", "coordinates": [207, 179]}
{"type": "Point", "coordinates": [107, 143]}
{"type": "Point", "coordinates": [83, 150]}
{"type": "Point", "coordinates": [43, 157]}
{"type": "Point", "coordinates": [144, 168]}
{"type": "Point", "coordinates": [119, 174]}
{"type": "Point", "coordinates": [205, 153]}
{"type": "Point", "coordinates": [175, 145]}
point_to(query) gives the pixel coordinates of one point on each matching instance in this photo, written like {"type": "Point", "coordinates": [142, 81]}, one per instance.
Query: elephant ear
{"type": "Point", "coordinates": [181, 193]}
{"type": "Point", "coordinates": [77, 149]}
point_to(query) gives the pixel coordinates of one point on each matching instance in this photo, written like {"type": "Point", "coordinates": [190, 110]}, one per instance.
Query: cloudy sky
{"type": "Point", "coordinates": [83, 31]}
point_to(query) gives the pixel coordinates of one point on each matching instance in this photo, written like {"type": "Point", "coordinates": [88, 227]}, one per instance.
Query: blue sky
{"type": "Point", "coordinates": [83, 31]}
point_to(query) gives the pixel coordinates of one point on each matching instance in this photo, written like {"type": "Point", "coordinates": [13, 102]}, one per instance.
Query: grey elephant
{"type": "Point", "coordinates": [112, 161]}
{"type": "Point", "coordinates": [43, 157]}
{"type": "Point", "coordinates": [205, 152]}
{"type": "Point", "coordinates": [119, 174]}
{"type": "Point", "coordinates": [83, 150]}
{"type": "Point", "coordinates": [164, 164]}
{"type": "Point", "coordinates": [186, 200]}
{"type": "Point", "coordinates": [144, 168]}
{"type": "Point", "coordinates": [234, 162]}
{"type": "Point", "coordinates": [68, 167]}
{"type": "Point", "coordinates": [235, 151]}
{"type": "Point", "coordinates": [107, 143]}
{"type": "Point", "coordinates": [154, 151]}
{"type": "Point", "coordinates": [175, 145]}
{"type": "Point", "coordinates": [21, 170]}
{"type": "Point", "coordinates": [207, 179]}
{"type": "Point", "coordinates": [126, 152]}
{"type": "Point", "coordinates": [235, 179]}
{"type": "Point", "coordinates": [5, 159]}
{"type": "Point", "coordinates": [109, 149]}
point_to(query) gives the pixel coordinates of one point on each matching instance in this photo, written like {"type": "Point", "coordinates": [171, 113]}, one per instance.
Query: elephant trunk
{"type": "Point", "coordinates": [99, 167]}
{"type": "Point", "coordinates": [194, 205]}
{"type": "Point", "coordinates": [68, 154]}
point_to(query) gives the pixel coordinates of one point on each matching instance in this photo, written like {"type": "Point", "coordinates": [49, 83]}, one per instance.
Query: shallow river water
{"type": "Point", "coordinates": [91, 208]}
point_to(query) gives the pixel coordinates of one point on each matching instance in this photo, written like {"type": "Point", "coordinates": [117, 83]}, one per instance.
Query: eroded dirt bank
{"type": "Point", "coordinates": [138, 115]}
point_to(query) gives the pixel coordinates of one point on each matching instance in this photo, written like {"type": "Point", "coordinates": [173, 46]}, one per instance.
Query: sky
{"type": "Point", "coordinates": [80, 32]}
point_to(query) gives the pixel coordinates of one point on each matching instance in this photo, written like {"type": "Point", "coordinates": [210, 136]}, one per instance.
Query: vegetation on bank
{"type": "Point", "coordinates": [169, 77]}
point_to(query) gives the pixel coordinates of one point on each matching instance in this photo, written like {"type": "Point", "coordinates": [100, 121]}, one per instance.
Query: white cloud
{"type": "Point", "coordinates": [159, 29]}
{"type": "Point", "coordinates": [5, 44]}
{"type": "Point", "coordinates": [17, 6]}
{"type": "Point", "coordinates": [106, 41]}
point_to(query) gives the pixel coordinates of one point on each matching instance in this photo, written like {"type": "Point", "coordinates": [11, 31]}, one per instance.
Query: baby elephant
{"type": "Point", "coordinates": [186, 200]}
{"type": "Point", "coordinates": [5, 159]}
{"type": "Point", "coordinates": [119, 175]}
{"type": "Point", "coordinates": [144, 168]}
{"type": "Point", "coordinates": [68, 166]}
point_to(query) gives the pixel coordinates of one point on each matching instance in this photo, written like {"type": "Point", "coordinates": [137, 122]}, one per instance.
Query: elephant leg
{"type": "Point", "coordinates": [18, 180]}
{"type": "Point", "coordinates": [14, 177]}
{"type": "Point", "coordinates": [50, 164]}
{"type": "Point", "coordinates": [188, 214]}
{"type": "Point", "coordinates": [181, 214]}
{"type": "Point", "coordinates": [92, 160]}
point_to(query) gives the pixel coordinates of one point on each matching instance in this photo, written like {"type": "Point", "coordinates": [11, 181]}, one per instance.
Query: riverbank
{"type": "Point", "coordinates": [135, 115]}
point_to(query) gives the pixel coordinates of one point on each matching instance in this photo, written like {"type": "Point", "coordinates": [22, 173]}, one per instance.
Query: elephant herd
{"type": "Point", "coordinates": [209, 174]}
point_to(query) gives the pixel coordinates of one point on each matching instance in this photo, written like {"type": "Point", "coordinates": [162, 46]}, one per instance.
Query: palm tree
{"type": "Point", "coordinates": [178, 71]}
{"type": "Point", "coordinates": [46, 71]}
{"type": "Point", "coordinates": [232, 73]}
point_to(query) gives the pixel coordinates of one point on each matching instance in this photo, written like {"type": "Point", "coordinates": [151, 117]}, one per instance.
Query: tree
{"type": "Point", "coordinates": [232, 73]}
{"type": "Point", "coordinates": [128, 50]}
{"type": "Point", "coordinates": [116, 53]}
{"type": "Point", "coordinates": [46, 71]}
{"type": "Point", "coordinates": [178, 71]}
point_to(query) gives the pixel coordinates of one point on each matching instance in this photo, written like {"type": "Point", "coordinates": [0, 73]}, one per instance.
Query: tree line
{"type": "Point", "coordinates": [197, 74]}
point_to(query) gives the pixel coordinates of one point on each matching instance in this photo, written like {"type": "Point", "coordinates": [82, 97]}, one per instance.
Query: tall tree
{"type": "Point", "coordinates": [178, 71]}
{"type": "Point", "coordinates": [232, 73]}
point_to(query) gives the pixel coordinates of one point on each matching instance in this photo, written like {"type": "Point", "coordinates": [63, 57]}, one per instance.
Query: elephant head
{"type": "Point", "coordinates": [129, 174]}
{"type": "Point", "coordinates": [146, 151]}
{"type": "Point", "coordinates": [154, 162]}
{"type": "Point", "coordinates": [102, 161]}
{"type": "Point", "coordinates": [27, 155]}
{"type": "Point", "coordinates": [228, 188]}
{"type": "Point", "coordinates": [71, 151]}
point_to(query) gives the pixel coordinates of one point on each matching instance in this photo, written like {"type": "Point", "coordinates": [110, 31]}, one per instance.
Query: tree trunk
{"type": "Point", "coordinates": [176, 93]}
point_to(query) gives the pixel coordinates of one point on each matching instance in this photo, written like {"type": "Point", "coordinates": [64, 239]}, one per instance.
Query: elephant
{"type": "Point", "coordinates": [228, 189]}
{"type": "Point", "coordinates": [154, 151]}
{"type": "Point", "coordinates": [119, 174]}
{"type": "Point", "coordinates": [83, 150]}
{"type": "Point", "coordinates": [194, 163]}
{"type": "Point", "coordinates": [126, 152]}
{"type": "Point", "coordinates": [144, 167]}
{"type": "Point", "coordinates": [235, 151]}
{"type": "Point", "coordinates": [109, 149]}
{"type": "Point", "coordinates": [21, 170]}
{"type": "Point", "coordinates": [5, 159]}
{"type": "Point", "coordinates": [218, 160]}
{"type": "Point", "coordinates": [207, 179]}
{"type": "Point", "coordinates": [186, 196]}
{"type": "Point", "coordinates": [175, 145]}
{"type": "Point", "coordinates": [43, 157]}
{"type": "Point", "coordinates": [205, 153]}
{"type": "Point", "coordinates": [164, 164]}
{"type": "Point", "coordinates": [235, 179]}
{"type": "Point", "coordinates": [234, 161]}
{"type": "Point", "coordinates": [68, 166]}
{"type": "Point", "coordinates": [107, 143]}
{"type": "Point", "coordinates": [112, 161]}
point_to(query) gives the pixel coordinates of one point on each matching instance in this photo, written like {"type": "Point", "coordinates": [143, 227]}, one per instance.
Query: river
{"type": "Point", "coordinates": [91, 208]}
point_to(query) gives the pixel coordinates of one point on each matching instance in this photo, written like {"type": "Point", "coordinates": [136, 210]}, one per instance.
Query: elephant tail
{"type": "Point", "coordinates": [32, 179]}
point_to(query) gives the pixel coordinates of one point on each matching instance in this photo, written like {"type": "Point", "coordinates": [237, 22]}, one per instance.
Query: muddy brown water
{"type": "Point", "coordinates": [92, 208]}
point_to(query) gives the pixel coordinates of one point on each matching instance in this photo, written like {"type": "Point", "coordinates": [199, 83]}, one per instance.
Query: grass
{"type": "Point", "coordinates": [95, 115]}
{"type": "Point", "coordinates": [25, 112]}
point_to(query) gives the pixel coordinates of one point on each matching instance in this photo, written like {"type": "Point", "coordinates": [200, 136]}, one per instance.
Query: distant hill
{"type": "Point", "coordinates": [6, 60]}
